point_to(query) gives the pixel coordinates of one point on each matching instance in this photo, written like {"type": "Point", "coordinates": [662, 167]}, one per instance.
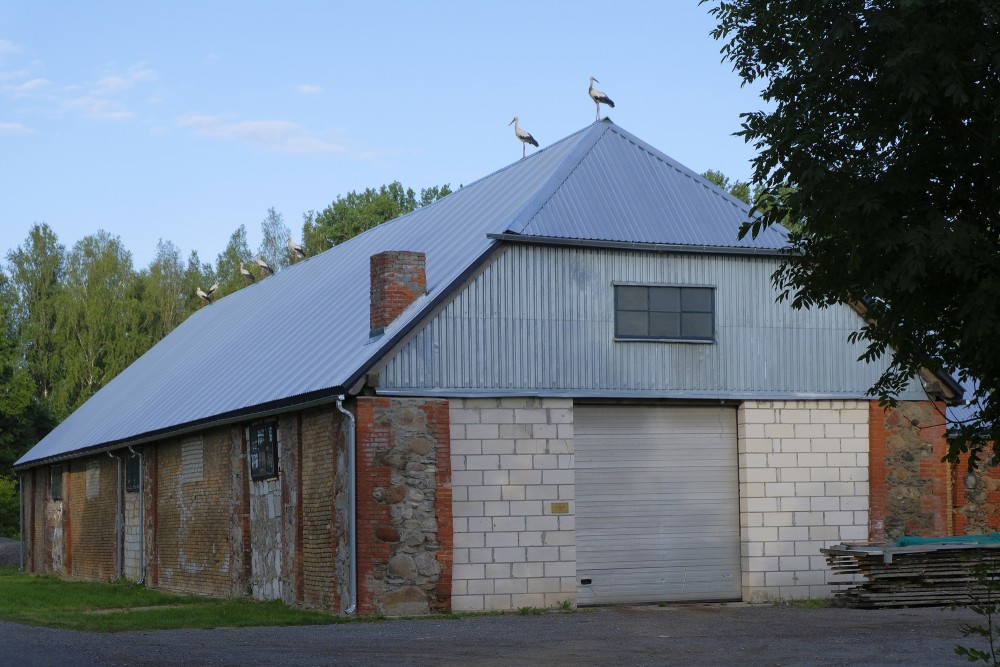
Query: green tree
{"type": "Point", "coordinates": [274, 243]}
{"type": "Point", "coordinates": [355, 213]}
{"type": "Point", "coordinates": [227, 265]}
{"type": "Point", "coordinates": [9, 504]}
{"type": "Point", "coordinates": [36, 274]}
{"type": "Point", "coordinates": [197, 274]}
{"type": "Point", "coordinates": [739, 189]}
{"type": "Point", "coordinates": [161, 293]}
{"type": "Point", "coordinates": [883, 114]}
{"type": "Point", "coordinates": [99, 319]}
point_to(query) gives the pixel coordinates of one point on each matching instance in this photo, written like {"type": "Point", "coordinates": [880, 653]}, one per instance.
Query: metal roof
{"type": "Point", "coordinates": [303, 333]}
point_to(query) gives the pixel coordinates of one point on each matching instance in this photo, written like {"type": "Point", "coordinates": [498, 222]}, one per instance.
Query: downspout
{"type": "Point", "coordinates": [352, 506]}
{"type": "Point", "coordinates": [118, 520]}
{"type": "Point", "coordinates": [142, 517]}
{"type": "Point", "coordinates": [20, 514]}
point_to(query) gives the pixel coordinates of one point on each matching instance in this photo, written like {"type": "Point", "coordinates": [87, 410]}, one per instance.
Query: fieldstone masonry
{"type": "Point", "coordinates": [404, 502]}
{"type": "Point", "coordinates": [803, 486]}
{"type": "Point", "coordinates": [511, 459]}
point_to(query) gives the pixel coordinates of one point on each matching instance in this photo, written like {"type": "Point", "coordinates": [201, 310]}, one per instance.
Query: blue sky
{"type": "Point", "coordinates": [183, 120]}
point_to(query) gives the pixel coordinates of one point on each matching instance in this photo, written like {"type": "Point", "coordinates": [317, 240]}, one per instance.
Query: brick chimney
{"type": "Point", "coordinates": [398, 278]}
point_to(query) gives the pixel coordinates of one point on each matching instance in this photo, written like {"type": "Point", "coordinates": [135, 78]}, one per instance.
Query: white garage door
{"type": "Point", "coordinates": [657, 504]}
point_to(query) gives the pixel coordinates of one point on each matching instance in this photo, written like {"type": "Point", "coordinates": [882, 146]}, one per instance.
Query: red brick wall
{"type": "Point", "coordinates": [398, 278]}
{"type": "Point", "coordinates": [193, 519]}
{"type": "Point", "coordinates": [909, 483]}
{"type": "Point", "coordinates": [975, 509]}
{"type": "Point", "coordinates": [394, 436]}
{"type": "Point", "coordinates": [320, 428]}
{"type": "Point", "coordinates": [92, 519]}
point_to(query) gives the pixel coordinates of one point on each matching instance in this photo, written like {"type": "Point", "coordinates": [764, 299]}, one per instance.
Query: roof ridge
{"type": "Point", "coordinates": [522, 218]}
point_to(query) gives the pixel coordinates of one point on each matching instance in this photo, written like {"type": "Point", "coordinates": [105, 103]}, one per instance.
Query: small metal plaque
{"type": "Point", "coordinates": [560, 508]}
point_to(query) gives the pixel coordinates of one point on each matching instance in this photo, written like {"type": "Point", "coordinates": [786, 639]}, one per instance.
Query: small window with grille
{"type": "Point", "coordinates": [264, 450]}
{"type": "Point", "coordinates": [133, 469]}
{"type": "Point", "coordinates": [664, 312]}
{"type": "Point", "coordinates": [55, 482]}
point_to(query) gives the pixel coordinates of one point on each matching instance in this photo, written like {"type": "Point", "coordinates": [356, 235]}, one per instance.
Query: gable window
{"type": "Point", "coordinates": [264, 450]}
{"type": "Point", "coordinates": [662, 312]}
{"type": "Point", "coordinates": [55, 482]}
{"type": "Point", "coordinates": [132, 472]}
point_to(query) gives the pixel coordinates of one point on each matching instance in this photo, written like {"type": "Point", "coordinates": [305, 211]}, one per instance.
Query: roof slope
{"type": "Point", "coordinates": [303, 333]}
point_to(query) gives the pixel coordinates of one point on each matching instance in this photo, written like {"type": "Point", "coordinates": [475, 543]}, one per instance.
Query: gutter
{"type": "Point", "coordinates": [352, 507]}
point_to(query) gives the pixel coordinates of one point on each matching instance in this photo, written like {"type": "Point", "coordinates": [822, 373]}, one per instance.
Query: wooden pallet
{"type": "Point", "coordinates": [926, 575]}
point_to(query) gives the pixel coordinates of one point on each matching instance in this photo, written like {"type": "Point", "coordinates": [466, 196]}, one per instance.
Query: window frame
{"type": "Point", "coordinates": [259, 470]}
{"type": "Point", "coordinates": [709, 340]}
{"type": "Point", "coordinates": [133, 473]}
{"type": "Point", "coordinates": [56, 473]}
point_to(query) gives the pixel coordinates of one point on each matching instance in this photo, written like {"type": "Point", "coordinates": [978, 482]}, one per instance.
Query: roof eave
{"type": "Point", "coordinates": [679, 248]}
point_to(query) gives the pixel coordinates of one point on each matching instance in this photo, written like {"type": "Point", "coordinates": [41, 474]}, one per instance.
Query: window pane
{"type": "Point", "coordinates": [665, 299]}
{"type": "Point", "coordinates": [696, 325]}
{"type": "Point", "coordinates": [632, 324]}
{"type": "Point", "coordinates": [631, 298]}
{"type": "Point", "coordinates": [665, 325]}
{"type": "Point", "coordinates": [697, 299]}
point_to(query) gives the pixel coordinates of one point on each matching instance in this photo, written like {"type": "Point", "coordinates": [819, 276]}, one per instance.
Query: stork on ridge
{"type": "Point", "coordinates": [296, 249]}
{"type": "Point", "coordinates": [247, 276]}
{"type": "Point", "coordinates": [203, 296]}
{"type": "Point", "coordinates": [524, 136]}
{"type": "Point", "coordinates": [264, 266]}
{"type": "Point", "coordinates": [599, 98]}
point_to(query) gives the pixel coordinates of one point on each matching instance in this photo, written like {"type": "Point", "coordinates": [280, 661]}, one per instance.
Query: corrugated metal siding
{"type": "Point", "coordinates": [657, 504]}
{"type": "Point", "coordinates": [542, 319]}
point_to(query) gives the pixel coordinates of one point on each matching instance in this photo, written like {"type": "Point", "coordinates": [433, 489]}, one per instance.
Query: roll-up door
{"type": "Point", "coordinates": [657, 504]}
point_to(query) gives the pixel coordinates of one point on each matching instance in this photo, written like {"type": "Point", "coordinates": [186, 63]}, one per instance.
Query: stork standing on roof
{"type": "Point", "coordinates": [295, 249]}
{"type": "Point", "coordinates": [524, 136]}
{"type": "Point", "coordinates": [599, 98]}
{"type": "Point", "coordinates": [247, 276]}
{"type": "Point", "coordinates": [203, 295]}
{"type": "Point", "coordinates": [264, 266]}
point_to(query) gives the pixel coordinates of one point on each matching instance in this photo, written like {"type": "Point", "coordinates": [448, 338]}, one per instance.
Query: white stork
{"type": "Point", "coordinates": [599, 98]}
{"type": "Point", "coordinates": [212, 290]}
{"type": "Point", "coordinates": [247, 276]}
{"type": "Point", "coordinates": [264, 266]}
{"type": "Point", "coordinates": [524, 136]}
{"type": "Point", "coordinates": [207, 298]}
{"type": "Point", "coordinates": [296, 249]}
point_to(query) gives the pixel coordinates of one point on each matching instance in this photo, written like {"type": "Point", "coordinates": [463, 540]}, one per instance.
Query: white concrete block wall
{"type": "Point", "coordinates": [133, 538]}
{"type": "Point", "coordinates": [803, 486]}
{"type": "Point", "coordinates": [511, 459]}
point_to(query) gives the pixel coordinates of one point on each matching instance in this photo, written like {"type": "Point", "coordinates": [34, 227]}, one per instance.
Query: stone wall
{"type": "Point", "coordinates": [803, 486]}
{"type": "Point", "coordinates": [404, 502]}
{"type": "Point", "coordinates": [910, 484]}
{"type": "Point", "coordinates": [265, 538]}
{"type": "Point", "coordinates": [976, 499]}
{"type": "Point", "coordinates": [132, 568]}
{"type": "Point", "coordinates": [511, 459]}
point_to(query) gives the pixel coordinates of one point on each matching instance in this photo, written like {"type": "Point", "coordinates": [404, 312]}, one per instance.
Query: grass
{"type": "Point", "coordinates": [115, 607]}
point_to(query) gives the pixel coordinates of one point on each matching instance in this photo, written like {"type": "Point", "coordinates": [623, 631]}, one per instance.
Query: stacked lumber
{"type": "Point", "coordinates": [926, 575]}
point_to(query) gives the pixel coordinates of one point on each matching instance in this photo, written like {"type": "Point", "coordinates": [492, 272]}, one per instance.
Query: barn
{"type": "Point", "coordinates": [568, 381]}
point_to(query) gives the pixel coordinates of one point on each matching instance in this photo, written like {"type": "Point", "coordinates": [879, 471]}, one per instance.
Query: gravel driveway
{"type": "Point", "coordinates": [688, 635]}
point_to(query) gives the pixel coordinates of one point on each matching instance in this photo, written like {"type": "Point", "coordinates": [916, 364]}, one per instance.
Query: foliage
{"type": "Point", "coordinates": [99, 319]}
{"type": "Point", "coordinates": [739, 189]}
{"type": "Point", "coordinates": [986, 603]}
{"type": "Point", "coordinates": [227, 264]}
{"type": "Point", "coordinates": [355, 213]}
{"type": "Point", "coordinates": [274, 245]}
{"type": "Point", "coordinates": [10, 522]}
{"type": "Point", "coordinates": [883, 117]}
